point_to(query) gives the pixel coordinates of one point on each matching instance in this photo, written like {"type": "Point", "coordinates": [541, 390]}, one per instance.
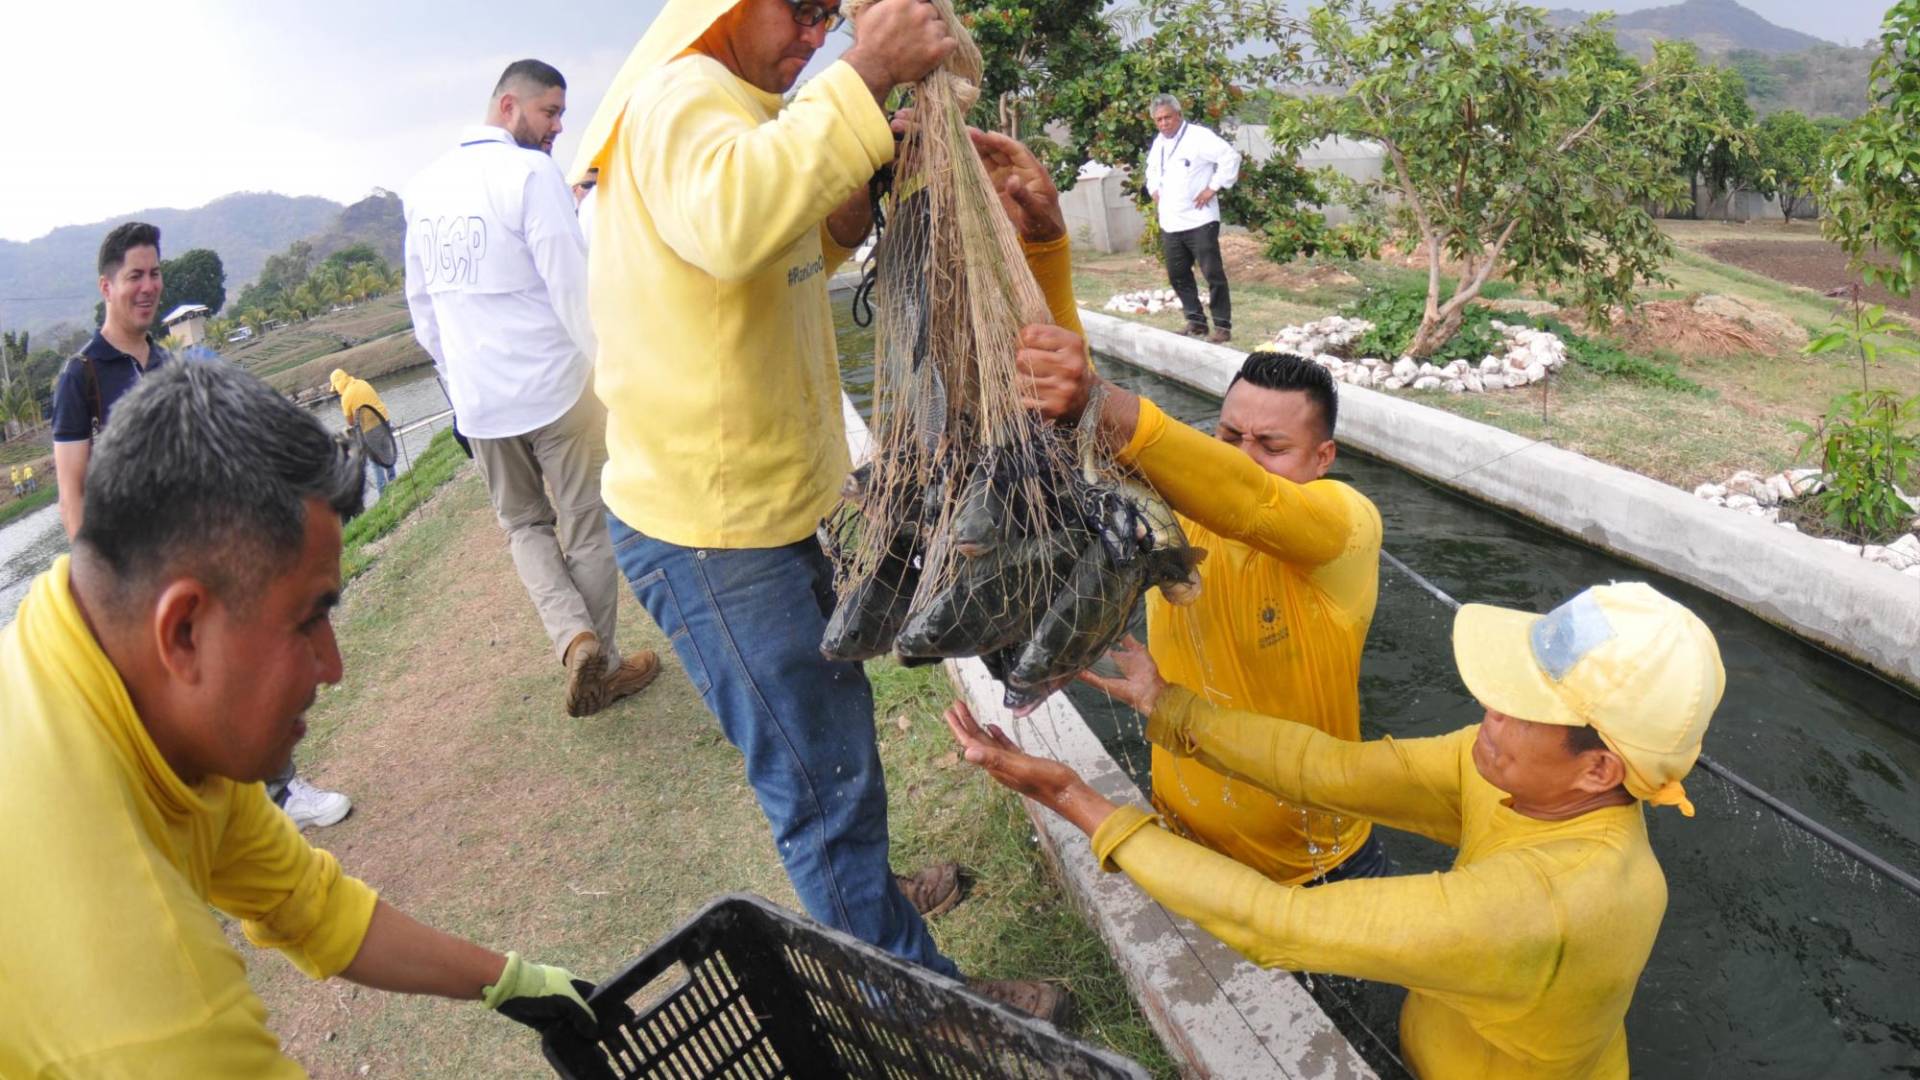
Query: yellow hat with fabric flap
{"type": "Point", "coordinates": [1634, 665]}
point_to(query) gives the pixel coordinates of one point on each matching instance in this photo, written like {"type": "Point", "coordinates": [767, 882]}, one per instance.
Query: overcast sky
{"type": "Point", "coordinates": [127, 106]}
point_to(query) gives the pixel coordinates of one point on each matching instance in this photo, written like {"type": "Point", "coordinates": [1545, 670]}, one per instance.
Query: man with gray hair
{"type": "Point", "coordinates": [497, 280]}
{"type": "Point", "coordinates": [1188, 166]}
{"type": "Point", "coordinates": [148, 684]}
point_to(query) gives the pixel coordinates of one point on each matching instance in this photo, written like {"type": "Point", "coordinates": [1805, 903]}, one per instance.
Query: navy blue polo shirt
{"type": "Point", "coordinates": [73, 394]}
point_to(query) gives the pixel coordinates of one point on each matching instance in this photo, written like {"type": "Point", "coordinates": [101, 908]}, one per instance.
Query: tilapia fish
{"type": "Point", "coordinates": [991, 602]}
{"type": "Point", "coordinates": [870, 615]}
{"type": "Point", "coordinates": [1136, 525]}
{"type": "Point", "coordinates": [1085, 619]}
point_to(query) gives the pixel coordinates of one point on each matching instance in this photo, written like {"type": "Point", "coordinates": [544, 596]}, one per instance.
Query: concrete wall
{"type": "Point", "coordinates": [1860, 609]}
{"type": "Point", "coordinates": [1100, 216]}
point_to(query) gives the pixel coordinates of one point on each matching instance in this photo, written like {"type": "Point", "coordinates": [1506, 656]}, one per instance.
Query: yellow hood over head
{"type": "Point", "coordinates": [677, 27]}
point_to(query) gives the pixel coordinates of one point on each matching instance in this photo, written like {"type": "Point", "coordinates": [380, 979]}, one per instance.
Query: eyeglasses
{"type": "Point", "coordinates": [808, 13]}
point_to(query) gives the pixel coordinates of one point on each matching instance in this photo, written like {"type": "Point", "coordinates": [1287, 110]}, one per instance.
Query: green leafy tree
{"type": "Point", "coordinates": [196, 277]}
{"type": "Point", "coordinates": [1717, 151]}
{"type": "Point", "coordinates": [1510, 145]}
{"type": "Point", "coordinates": [1792, 168]}
{"type": "Point", "coordinates": [1866, 440]}
{"type": "Point", "coordinates": [1030, 50]}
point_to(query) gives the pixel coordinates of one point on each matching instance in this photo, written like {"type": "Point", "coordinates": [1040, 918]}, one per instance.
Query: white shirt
{"type": "Point", "coordinates": [497, 282]}
{"type": "Point", "coordinates": [1182, 166]}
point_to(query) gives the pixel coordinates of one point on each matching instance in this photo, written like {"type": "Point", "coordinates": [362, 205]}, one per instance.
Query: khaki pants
{"type": "Point", "coordinates": [559, 544]}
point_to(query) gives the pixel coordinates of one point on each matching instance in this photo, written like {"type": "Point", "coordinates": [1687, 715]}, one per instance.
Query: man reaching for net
{"type": "Point", "coordinates": [1522, 958]}
{"type": "Point", "coordinates": [1287, 588]}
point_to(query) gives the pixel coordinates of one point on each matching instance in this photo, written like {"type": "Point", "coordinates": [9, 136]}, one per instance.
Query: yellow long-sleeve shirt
{"type": "Point", "coordinates": [709, 266]}
{"type": "Point", "coordinates": [1521, 960]}
{"type": "Point", "coordinates": [709, 269]}
{"type": "Point", "coordinates": [359, 392]}
{"type": "Point", "coordinates": [1287, 595]}
{"type": "Point", "coordinates": [111, 964]}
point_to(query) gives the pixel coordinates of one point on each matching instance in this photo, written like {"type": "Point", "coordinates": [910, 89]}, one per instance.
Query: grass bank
{"type": "Point", "coordinates": [47, 494]}
{"type": "Point", "coordinates": [1663, 432]}
{"type": "Point", "coordinates": [481, 808]}
{"type": "Point", "coordinates": [435, 466]}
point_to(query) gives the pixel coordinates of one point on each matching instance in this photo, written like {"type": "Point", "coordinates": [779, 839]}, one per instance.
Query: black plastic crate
{"type": "Point", "coordinates": [767, 994]}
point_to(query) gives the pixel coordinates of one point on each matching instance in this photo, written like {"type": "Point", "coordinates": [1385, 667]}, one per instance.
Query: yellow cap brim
{"type": "Point", "coordinates": [1493, 649]}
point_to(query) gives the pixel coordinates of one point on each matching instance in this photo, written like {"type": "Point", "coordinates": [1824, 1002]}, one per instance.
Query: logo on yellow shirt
{"type": "Point", "coordinates": [798, 274]}
{"type": "Point", "coordinates": [1273, 631]}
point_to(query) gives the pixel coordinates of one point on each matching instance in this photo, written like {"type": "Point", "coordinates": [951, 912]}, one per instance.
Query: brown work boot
{"type": "Point", "coordinates": [1220, 336]}
{"type": "Point", "coordinates": [1194, 331]}
{"type": "Point", "coordinates": [586, 675]}
{"type": "Point", "coordinates": [1047, 1001]}
{"type": "Point", "coordinates": [934, 890]}
{"type": "Point", "coordinates": [633, 675]}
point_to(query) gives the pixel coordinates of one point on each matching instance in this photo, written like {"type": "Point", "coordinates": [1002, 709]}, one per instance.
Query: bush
{"type": "Point", "coordinates": [1396, 314]}
{"type": "Point", "coordinates": [1867, 448]}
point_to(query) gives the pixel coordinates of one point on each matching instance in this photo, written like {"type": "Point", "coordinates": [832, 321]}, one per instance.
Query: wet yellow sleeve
{"type": "Point", "coordinates": [1225, 490]}
{"type": "Point", "coordinates": [1052, 266]}
{"type": "Point", "coordinates": [1410, 784]}
{"type": "Point", "coordinates": [290, 895]}
{"type": "Point", "coordinates": [1483, 937]}
{"type": "Point", "coordinates": [734, 193]}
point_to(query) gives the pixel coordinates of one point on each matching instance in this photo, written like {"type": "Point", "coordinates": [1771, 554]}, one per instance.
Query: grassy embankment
{"type": "Point", "coordinates": [483, 809]}
{"type": "Point", "coordinates": [1672, 435]}
{"type": "Point", "coordinates": [13, 508]}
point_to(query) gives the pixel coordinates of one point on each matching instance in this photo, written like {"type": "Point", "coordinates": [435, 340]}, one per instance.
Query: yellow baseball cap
{"type": "Point", "coordinates": [1638, 668]}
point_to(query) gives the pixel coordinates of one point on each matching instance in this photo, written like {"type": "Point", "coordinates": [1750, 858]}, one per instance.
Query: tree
{"type": "Point", "coordinates": [1510, 144]}
{"type": "Point", "coordinates": [1876, 162]}
{"type": "Point", "coordinates": [1787, 148]}
{"type": "Point", "coordinates": [196, 277]}
{"type": "Point", "coordinates": [1030, 50]}
{"type": "Point", "coordinates": [1721, 159]}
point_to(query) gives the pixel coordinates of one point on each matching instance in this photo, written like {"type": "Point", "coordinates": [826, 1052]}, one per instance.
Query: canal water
{"type": "Point", "coordinates": [1780, 957]}
{"type": "Point", "coordinates": [30, 545]}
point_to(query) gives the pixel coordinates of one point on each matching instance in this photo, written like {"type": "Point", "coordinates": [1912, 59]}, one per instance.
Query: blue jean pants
{"type": "Point", "coordinates": [746, 624]}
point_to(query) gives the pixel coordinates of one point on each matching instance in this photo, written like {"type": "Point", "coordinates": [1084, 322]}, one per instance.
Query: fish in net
{"type": "Point", "coordinates": [977, 528]}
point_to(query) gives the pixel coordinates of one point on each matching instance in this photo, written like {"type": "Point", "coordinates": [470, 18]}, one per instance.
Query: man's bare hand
{"type": "Point", "coordinates": [1201, 200]}
{"type": "Point", "coordinates": [897, 42]}
{"type": "Point", "coordinates": [1027, 193]}
{"type": "Point", "coordinates": [1055, 378]}
{"type": "Point", "coordinates": [1047, 782]}
{"type": "Point", "coordinates": [1139, 684]}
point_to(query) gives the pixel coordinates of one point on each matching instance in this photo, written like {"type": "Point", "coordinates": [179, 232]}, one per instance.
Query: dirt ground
{"type": "Point", "coordinates": [1814, 265]}
{"type": "Point", "coordinates": [482, 809]}
{"type": "Point", "coordinates": [1246, 261]}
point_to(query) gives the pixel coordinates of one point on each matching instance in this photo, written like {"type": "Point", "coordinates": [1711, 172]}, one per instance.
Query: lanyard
{"type": "Point", "coordinates": [1171, 147]}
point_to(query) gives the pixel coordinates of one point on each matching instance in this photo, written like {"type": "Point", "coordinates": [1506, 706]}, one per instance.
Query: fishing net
{"type": "Point", "coordinates": [977, 529]}
{"type": "Point", "coordinates": [376, 437]}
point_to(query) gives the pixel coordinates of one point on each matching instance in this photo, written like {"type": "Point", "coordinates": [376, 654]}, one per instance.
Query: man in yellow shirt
{"type": "Point", "coordinates": [355, 395]}
{"type": "Point", "coordinates": [1522, 959]}
{"type": "Point", "coordinates": [13, 474]}
{"type": "Point", "coordinates": [1287, 597]}
{"type": "Point", "coordinates": [728, 207]}
{"type": "Point", "coordinates": [27, 478]}
{"type": "Point", "coordinates": [148, 684]}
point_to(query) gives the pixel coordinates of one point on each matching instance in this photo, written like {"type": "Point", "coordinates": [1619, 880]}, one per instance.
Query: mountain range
{"type": "Point", "coordinates": [1716, 26]}
{"type": "Point", "coordinates": [52, 280]}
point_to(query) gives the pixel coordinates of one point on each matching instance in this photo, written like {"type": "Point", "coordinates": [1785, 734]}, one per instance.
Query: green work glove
{"type": "Point", "coordinates": [542, 997]}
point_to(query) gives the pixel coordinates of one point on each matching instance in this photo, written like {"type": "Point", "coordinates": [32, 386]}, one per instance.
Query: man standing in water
{"type": "Point", "coordinates": [497, 282]}
{"type": "Point", "coordinates": [121, 354]}
{"type": "Point", "coordinates": [727, 207]}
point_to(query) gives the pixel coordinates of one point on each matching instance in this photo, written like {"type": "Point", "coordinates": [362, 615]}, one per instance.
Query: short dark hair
{"type": "Point", "coordinates": [1276, 370]}
{"type": "Point", "coordinates": [1584, 738]}
{"type": "Point", "coordinates": [124, 238]}
{"type": "Point", "coordinates": [205, 470]}
{"type": "Point", "coordinates": [538, 72]}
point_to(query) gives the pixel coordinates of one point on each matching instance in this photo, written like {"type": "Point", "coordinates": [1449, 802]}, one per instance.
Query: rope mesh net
{"type": "Point", "coordinates": [977, 529]}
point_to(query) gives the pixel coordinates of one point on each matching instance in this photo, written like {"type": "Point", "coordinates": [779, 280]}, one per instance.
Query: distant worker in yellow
{"type": "Point", "coordinates": [1522, 959]}
{"type": "Point", "coordinates": [355, 395]}
{"type": "Point", "coordinates": [19, 485]}
{"type": "Point", "coordinates": [1287, 597]}
{"type": "Point", "coordinates": [27, 478]}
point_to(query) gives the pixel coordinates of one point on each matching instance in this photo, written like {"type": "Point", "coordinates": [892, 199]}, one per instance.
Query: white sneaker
{"type": "Point", "coordinates": [308, 805]}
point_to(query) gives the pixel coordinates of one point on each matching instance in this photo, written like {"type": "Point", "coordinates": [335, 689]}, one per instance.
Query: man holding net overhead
{"type": "Point", "coordinates": [727, 208]}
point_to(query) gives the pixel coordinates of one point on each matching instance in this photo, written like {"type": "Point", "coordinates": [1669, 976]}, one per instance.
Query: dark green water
{"type": "Point", "coordinates": [1779, 957]}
